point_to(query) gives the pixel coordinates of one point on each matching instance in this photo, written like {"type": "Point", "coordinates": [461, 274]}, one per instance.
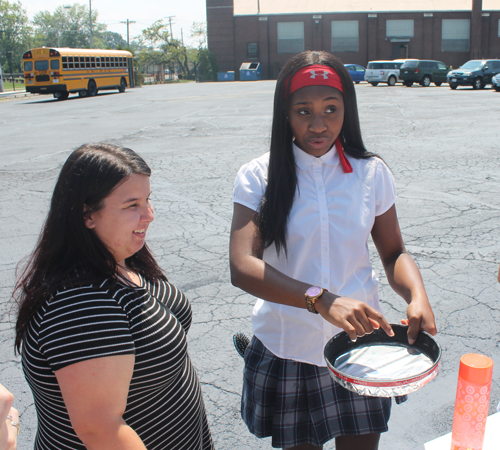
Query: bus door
{"type": "Point", "coordinates": [131, 72]}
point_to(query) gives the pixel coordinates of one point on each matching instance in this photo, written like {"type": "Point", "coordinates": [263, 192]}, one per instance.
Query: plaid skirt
{"type": "Point", "coordinates": [298, 403]}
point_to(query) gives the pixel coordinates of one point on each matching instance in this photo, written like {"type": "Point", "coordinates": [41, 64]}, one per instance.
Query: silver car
{"type": "Point", "coordinates": [384, 72]}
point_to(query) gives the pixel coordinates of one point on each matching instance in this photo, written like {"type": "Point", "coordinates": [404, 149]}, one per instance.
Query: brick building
{"type": "Point", "coordinates": [357, 31]}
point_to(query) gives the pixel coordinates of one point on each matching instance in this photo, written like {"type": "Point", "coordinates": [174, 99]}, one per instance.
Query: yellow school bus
{"type": "Point", "coordinates": [62, 71]}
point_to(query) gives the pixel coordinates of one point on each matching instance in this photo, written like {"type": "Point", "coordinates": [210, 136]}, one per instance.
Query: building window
{"type": "Point", "coordinates": [252, 50]}
{"type": "Point", "coordinates": [399, 28]}
{"type": "Point", "coordinates": [345, 36]}
{"type": "Point", "coordinates": [455, 36]}
{"type": "Point", "coordinates": [290, 37]}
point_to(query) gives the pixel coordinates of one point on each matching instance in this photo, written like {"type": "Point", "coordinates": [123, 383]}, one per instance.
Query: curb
{"type": "Point", "coordinates": [14, 94]}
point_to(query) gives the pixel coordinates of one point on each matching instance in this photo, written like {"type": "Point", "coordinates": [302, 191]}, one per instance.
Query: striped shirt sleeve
{"type": "Point", "coordinates": [82, 324]}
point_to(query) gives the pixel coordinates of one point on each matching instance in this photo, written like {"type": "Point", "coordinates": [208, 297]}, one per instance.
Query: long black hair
{"type": "Point", "coordinates": [282, 177]}
{"type": "Point", "coordinates": [67, 252]}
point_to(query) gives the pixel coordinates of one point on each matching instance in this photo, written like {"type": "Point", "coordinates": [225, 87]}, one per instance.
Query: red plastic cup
{"type": "Point", "coordinates": [472, 401]}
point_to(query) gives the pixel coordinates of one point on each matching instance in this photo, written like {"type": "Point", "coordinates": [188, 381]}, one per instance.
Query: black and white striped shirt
{"type": "Point", "coordinates": [164, 405]}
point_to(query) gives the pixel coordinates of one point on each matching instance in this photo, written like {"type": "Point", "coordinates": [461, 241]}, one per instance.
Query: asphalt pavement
{"type": "Point", "coordinates": [442, 145]}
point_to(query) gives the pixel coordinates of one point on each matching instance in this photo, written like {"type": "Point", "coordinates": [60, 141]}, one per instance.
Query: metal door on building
{"type": "Point", "coordinates": [399, 51]}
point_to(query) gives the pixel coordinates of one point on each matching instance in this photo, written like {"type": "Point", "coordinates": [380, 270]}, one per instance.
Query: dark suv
{"type": "Point", "coordinates": [476, 73]}
{"type": "Point", "coordinates": [423, 72]}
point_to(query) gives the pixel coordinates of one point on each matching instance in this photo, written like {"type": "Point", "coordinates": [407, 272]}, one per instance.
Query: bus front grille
{"type": "Point", "coordinates": [42, 78]}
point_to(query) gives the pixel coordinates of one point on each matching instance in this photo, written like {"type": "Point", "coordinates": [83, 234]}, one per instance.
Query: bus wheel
{"type": "Point", "coordinates": [83, 93]}
{"type": "Point", "coordinates": [92, 90]}
{"type": "Point", "coordinates": [123, 85]}
{"type": "Point", "coordinates": [61, 95]}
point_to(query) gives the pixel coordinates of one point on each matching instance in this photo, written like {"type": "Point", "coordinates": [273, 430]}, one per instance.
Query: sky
{"type": "Point", "coordinates": [143, 12]}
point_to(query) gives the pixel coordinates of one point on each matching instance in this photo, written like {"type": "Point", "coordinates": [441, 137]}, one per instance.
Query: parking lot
{"type": "Point", "coordinates": [441, 144]}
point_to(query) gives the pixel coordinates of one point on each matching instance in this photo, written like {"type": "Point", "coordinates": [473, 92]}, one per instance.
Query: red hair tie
{"type": "Point", "coordinates": [346, 165]}
{"type": "Point", "coordinates": [315, 75]}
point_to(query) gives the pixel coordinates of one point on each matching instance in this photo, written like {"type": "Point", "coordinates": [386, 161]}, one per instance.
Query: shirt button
{"type": "Point", "coordinates": [323, 218]}
{"type": "Point", "coordinates": [325, 280]}
{"type": "Point", "coordinates": [320, 187]}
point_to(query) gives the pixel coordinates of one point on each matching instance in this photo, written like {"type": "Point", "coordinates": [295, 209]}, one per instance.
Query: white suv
{"type": "Point", "coordinates": [384, 72]}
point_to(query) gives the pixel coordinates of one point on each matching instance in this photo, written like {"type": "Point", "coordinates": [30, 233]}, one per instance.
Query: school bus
{"type": "Point", "coordinates": [62, 71]}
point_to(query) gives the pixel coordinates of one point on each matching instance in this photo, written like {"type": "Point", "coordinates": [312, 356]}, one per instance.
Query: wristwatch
{"type": "Point", "coordinates": [312, 294]}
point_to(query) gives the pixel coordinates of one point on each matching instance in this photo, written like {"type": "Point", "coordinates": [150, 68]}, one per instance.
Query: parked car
{"type": "Point", "coordinates": [383, 72]}
{"type": "Point", "coordinates": [495, 82]}
{"type": "Point", "coordinates": [356, 71]}
{"type": "Point", "coordinates": [476, 73]}
{"type": "Point", "coordinates": [423, 72]}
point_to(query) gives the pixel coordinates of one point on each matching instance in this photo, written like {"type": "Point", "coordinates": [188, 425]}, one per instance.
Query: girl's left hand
{"type": "Point", "coordinates": [420, 317]}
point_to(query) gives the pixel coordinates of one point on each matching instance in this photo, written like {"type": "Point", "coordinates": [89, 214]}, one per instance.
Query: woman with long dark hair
{"type": "Point", "coordinates": [101, 331]}
{"type": "Point", "coordinates": [303, 214]}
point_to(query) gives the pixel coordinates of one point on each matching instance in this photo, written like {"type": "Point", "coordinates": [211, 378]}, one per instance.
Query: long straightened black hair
{"type": "Point", "coordinates": [282, 177]}
{"type": "Point", "coordinates": [67, 252]}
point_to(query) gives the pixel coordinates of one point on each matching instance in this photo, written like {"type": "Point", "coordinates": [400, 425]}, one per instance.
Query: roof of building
{"type": "Point", "coordinates": [251, 7]}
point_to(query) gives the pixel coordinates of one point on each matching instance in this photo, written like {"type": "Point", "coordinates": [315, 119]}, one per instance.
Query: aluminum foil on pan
{"type": "Point", "coordinates": [382, 366]}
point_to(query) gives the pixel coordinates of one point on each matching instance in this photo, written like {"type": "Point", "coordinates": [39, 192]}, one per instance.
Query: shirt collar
{"type": "Point", "coordinates": [305, 160]}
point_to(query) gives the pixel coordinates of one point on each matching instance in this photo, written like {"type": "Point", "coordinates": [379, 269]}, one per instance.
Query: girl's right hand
{"type": "Point", "coordinates": [353, 316]}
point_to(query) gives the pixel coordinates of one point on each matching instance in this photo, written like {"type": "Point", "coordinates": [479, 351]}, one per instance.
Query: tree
{"type": "Point", "coordinates": [162, 49]}
{"type": "Point", "coordinates": [113, 40]}
{"type": "Point", "coordinates": [199, 32]}
{"type": "Point", "coordinates": [14, 35]}
{"type": "Point", "coordinates": [68, 27]}
{"type": "Point", "coordinates": [207, 65]}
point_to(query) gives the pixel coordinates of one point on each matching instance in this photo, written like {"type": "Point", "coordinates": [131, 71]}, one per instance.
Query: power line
{"type": "Point", "coordinates": [128, 22]}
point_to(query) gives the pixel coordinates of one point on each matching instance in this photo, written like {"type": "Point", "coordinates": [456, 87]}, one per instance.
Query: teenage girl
{"type": "Point", "coordinates": [303, 214]}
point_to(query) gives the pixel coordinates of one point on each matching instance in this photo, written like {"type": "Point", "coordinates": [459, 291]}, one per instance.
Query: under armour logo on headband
{"type": "Point", "coordinates": [325, 74]}
{"type": "Point", "coordinates": [314, 75]}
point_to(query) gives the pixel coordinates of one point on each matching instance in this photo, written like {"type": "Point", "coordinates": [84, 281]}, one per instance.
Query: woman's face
{"type": "Point", "coordinates": [316, 115]}
{"type": "Point", "coordinates": [122, 222]}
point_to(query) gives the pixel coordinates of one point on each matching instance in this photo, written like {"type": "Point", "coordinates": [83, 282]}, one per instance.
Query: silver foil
{"type": "Point", "coordinates": [383, 370]}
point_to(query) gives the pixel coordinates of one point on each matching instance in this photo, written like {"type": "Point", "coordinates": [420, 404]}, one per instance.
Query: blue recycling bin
{"type": "Point", "coordinates": [225, 76]}
{"type": "Point", "coordinates": [250, 71]}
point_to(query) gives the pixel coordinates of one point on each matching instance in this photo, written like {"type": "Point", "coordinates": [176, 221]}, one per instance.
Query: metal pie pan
{"type": "Point", "coordinates": [378, 365]}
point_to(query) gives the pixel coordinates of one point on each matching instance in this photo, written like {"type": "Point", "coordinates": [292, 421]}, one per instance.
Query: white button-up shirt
{"type": "Point", "coordinates": [327, 242]}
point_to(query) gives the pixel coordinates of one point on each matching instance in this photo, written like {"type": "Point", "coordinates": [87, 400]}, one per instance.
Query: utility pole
{"type": "Point", "coordinates": [90, 21]}
{"type": "Point", "coordinates": [170, 22]}
{"type": "Point", "coordinates": [128, 22]}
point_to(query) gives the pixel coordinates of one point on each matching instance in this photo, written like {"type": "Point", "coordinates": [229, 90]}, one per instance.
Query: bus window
{"type": "Point", "coordinates": [77, 62]}
{"type": "Point", "coordinates": [92, 61]}
{"type": "Point", "coordinates": [70, 62]}
{"type": "Point", "coordinates": [82, 62]}
{"type": "Point", "coordinates": [87, 62]}
{"type": "Point", "coordinates": [42, 65]}
{"type": "Point", "coordinates": [65, 62]}
{"type": "Point", "coordinates": [28, 66]}
{"type": "Point", "coordinates": [54, 64]}
{"type": "Point", "coordinates": [107, 61]}
{"type": "Point", "coordinates": [98, 61]}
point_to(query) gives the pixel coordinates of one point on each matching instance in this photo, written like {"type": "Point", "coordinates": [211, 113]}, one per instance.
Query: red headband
{"type": "Point", "coordinates": [315, 75]}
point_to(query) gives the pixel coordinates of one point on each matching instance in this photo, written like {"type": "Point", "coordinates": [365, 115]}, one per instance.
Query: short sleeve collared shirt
{"type": "Point", "coordinates": [327, 243]}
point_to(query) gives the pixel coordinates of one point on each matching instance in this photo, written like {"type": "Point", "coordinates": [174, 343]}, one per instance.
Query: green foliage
{"type": "Point", "coordinates": [207, 65]}
{"type": "Point", "coordinates": [158, 47]}
{"type": "Point", "coordinates": [68, 27]}
{"type": "Point", "coordinates": [114, 40]}
{"type": "Point", "coordinates": [14, 35]}
{"type": "Point", "coordinates": [138, 77]}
